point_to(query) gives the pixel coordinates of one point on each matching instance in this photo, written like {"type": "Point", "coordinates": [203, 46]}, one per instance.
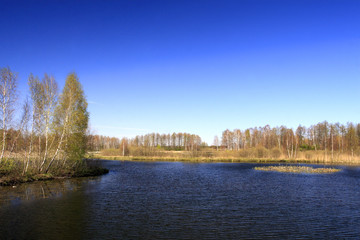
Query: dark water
{"type": "Point", "coordinates": [161, 200]}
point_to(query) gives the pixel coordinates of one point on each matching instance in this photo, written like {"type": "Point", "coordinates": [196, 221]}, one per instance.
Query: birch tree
{"type": "Point", "coordinates": [49, 87]}
{"type": "Point", "coordinates": [71, 121]}
{"type": "Point", "coordinates": [216, 142]}
{"type": "Point", "coordinates": [8, 97]}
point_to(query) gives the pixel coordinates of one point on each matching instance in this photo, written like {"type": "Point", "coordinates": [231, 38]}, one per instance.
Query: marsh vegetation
{"type": "Point", "coordinates": [298, 169]}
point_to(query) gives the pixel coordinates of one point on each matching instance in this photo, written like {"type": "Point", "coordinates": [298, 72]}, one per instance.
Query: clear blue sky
{"type": "Point", "coordinates": [193, 66]}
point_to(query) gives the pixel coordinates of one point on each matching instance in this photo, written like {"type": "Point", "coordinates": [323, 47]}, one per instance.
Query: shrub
{"type": "Point", "coordinates": [275, 153]}
{"type": "Point", "coordinates": [111, 152]}
{"type": "Point", "coordinates": [261, 152]}
{"type": "Point", "coordinates": [308, 156]}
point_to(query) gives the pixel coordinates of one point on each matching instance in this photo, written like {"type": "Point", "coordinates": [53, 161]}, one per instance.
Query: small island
{"type": "Point", "coordinates": [298, 169]}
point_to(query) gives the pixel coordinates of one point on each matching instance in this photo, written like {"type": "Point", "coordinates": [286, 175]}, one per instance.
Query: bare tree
{"type": "Point", "coordinates": [49, 102]}
{"type": "Point", "coordinates": [24, 120]}
{"type": "Point", "coordinates": [8, 97]}
{"type": "Point", "coordinates": [216, 142]}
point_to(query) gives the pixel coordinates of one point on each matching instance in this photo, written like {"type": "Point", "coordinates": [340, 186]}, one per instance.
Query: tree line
{"type": "Point", "coordinates": [324, 136]}
{"type": "Point", "coordinates": [49, 129]}
{"type": "Point", "coordinates": [174, 141]}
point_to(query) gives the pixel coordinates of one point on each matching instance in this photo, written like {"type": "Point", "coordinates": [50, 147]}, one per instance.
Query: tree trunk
{"type": "Point", "coordinates": [59, 145]}
{"type": "Point", "coordinates": [4, 131]}
{"type": "Point", "coordinates": [332, 146]}
{"type": "Point", "coordinates": [31, 143]}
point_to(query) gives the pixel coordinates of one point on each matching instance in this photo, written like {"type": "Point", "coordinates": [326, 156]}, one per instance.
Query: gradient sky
{"type": "Point", "coordinates": [196, 66]}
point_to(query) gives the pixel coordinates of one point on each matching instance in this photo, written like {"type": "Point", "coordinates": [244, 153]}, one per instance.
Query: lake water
{"type": "Point", "coordinates": [169, 200]}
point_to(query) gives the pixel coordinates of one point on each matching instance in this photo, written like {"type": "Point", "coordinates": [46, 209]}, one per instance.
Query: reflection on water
{"type": "Point", "coordinates": [161, 200]}
{"type": "Point", "coordinates": [45, 210]}
{"type": "Point", "coordinates": [40, 190]}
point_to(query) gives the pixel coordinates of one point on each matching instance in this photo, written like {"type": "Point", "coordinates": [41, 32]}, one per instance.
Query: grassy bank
{"type": "Point", "coordinates": [11, 172]}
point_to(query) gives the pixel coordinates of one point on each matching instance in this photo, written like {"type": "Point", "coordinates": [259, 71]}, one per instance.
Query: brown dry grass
{"type": "Point", "coordinates": [298, 169]}
{"type": "Point", "coordinates": [243, 155]}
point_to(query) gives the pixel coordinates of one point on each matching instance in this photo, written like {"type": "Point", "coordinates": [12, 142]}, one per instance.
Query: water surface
{"type": "Point", "coordinates": [169, 200]}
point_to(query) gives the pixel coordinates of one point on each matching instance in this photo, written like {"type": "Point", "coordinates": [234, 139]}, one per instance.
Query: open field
{"type": "Point", "coordinates": [208, 154]}
{"type": "Point", "coordinates": [227, 159]}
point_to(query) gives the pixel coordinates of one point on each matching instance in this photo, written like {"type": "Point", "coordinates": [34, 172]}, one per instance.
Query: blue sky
{"type": "Point", "coordinates": [197, 66]}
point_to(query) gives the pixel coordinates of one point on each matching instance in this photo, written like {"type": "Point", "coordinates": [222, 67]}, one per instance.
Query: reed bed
{"type": "Point", "coordinates": [298, 169]}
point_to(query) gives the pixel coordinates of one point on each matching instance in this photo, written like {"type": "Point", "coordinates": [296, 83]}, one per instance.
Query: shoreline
{"type": "Point", "coordinates": [11, 180]}
{"type": "Point", "coordinates": [225, 160]}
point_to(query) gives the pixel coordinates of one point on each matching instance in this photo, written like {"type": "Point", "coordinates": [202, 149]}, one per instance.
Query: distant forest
{"type": "Point", "coordinates": [174, 141]}
{"type": "Point", "coordinates": [327, 139]}
{"type": "Point", "coordinates": [322, 136]}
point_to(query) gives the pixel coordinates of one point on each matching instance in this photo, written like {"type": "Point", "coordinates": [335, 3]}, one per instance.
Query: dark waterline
{"type": "Point", "coordinates": [170, 200]}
